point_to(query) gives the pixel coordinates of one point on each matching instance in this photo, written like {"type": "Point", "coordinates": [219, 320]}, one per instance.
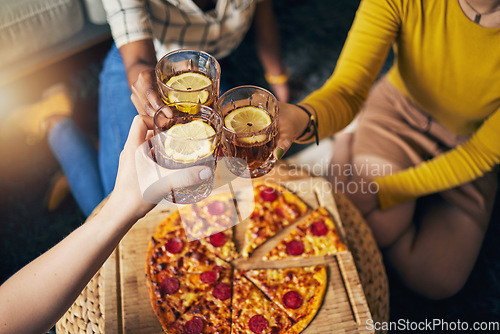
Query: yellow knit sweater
{"type": "Point", "coordinates": [444, 63]}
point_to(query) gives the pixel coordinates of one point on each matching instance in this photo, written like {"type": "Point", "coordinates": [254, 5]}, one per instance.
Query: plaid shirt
{"type": "Point", "coordinates": [180, 24]}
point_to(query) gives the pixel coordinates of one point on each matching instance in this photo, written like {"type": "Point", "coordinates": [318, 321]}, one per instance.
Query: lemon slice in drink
{"type": "Point", "coordinates": [189, 142]}
{"type": "Point", "coordinates": [188, 87]}
{"type": "Point", "coordinates": [248, 120]}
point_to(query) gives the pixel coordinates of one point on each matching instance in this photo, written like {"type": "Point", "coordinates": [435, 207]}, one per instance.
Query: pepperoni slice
{"type": "Point", "coordinates": [269, 194]}
{"type": "Point", "coordinates": [222, 291]}
{"type": "Point", "coordinates": [216, 208]}
{"type": "Point", "coordinates": [318, 229]}
{"type": "Point", "coordinates": [292, 299]}
{"type": "Point", "coordinates": [169, 285]}
{"type": "Point", "coordinates": [174, 245]}
{"type": "Point", "coordinates": [194, 326]}
{"type": "Point", "coordinates": [294, 247]}
{"type": "Point", "coordinates": [218, 239]}
{"type": "Point", "coordinates": [208, 277]}
{"type": "Point", "coordinates": [258, 324]}
{"type": "Point", "coordinates": [218, 268]}
{"type": "Point", "coordinates": [280, 212]}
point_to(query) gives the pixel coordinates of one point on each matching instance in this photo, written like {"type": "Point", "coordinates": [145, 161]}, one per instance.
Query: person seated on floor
{"type": "Point", "coordinates": [143, 31]}
{"type": "Point", "coordinates": [422, 162]}
{"type": "Point", "coordinates": [37, 296]}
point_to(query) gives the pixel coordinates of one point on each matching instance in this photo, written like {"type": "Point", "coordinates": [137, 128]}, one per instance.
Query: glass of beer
{"type": "Point", "coordinates": [188, 76]}
{"type": "Point", "coordinates": [184, 140]}
{"type": "Point", "coordinates": [250, 132]}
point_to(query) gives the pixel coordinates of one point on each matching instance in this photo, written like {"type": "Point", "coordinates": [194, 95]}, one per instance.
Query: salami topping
{"type": "Point", "coordinates": [194, 326]}
{"type": "Point", "coordinates": [268, 194]}
{"type": "Point", "coordinates": [169, 285]}
{"type": "Point", "coordinates": [174, 245]}
{"type": "Point", "coordinates": [222, 291]}
{"type": "Point", "coordinates": [218, 239]}
{"type": "Point", "coordinates": [208, 277]}
{"type": "Point", "coordinates": [216, 208]}
{"type": "Point", "coordinates": [318, 229]}
{"type": "Point", "coordinates": [218, 268]}
{"type": "Point", "coordinates": [258, 324]}
{"type": "Point", "coordinates": [294, 247]}
{"type": "Point", "coordinates": [292, 299]}
{"type": "Point", "coordinates": [280, 212]}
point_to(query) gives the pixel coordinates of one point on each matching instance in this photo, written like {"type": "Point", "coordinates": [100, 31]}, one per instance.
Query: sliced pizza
{"type": "Point", "coordinates": [314, 236]}
{"type": "Point", "coordinates": [212, 215]}
{"type": "Point", "coordinates": [173, 294]}
{"type": "Point", "coordinates": [221, 244]}
{"type": "Point", "coordinates": [211, 221]}
{"type": "Point", "coordinates": [253, 312]}
{"type": "Point", "coordinates": [175, 255]}
{"type": "Point", "coordinates": [298, 291]}
{"type": "Point", "coordinates": [171, 223]}
{"type": "Point", "coordinates": [275, 208]}
{"type": "Point", "coordinates": [211, 314]}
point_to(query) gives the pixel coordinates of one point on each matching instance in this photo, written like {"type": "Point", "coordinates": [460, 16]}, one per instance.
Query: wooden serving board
{"type": "Point", "coordinates": [127, 306]}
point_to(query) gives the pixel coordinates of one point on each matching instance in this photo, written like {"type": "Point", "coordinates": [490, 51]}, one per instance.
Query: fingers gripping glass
{"type": "Point", "coordinates": [184, 149]}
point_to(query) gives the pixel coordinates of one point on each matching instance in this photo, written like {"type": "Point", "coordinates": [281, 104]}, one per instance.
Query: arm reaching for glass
{"type": "Point", "coordinates": [34, 298]}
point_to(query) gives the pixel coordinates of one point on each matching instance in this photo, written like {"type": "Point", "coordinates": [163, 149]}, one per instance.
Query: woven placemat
{"type": "Point", "coordinates": [86, 315]}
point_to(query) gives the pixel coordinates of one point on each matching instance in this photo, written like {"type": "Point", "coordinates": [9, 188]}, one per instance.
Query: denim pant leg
{"type": "Point", "coordinates": [78, 159]}
{"type": "Point", "coordinates": [116, 112]}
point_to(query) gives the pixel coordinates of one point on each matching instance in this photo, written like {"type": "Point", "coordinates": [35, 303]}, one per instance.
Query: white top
{"type": "Point", "coordinates": [180, 24]}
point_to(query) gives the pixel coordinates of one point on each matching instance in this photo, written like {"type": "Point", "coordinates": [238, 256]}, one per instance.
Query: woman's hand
{"type": "Point", "coordinates": [144, 94]}
{"type": "Point", "coordinates": [136, 193]}
{"type": "Point", "coordinates": [292, 123]}
{"type": "Point", "coordinates": [139, 59]}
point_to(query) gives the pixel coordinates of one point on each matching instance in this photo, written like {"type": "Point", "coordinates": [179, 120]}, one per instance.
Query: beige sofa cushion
{"type": "Point", "coordinates": [30, 26]}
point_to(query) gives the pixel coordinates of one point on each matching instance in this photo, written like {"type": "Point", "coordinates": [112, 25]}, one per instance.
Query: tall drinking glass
{"type": "Point", "coordinates": [250, 131]}
{"type": "Point", "coordinates": [186, 140]}
{"type": "Point", "coordinates": [188, 76]}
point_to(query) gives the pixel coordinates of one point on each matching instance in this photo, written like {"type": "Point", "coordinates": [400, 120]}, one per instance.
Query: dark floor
{"type": "Point", "coordinates": [313, 32]}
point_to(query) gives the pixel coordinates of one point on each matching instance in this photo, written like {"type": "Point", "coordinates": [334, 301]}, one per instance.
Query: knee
{"type": "Point", "coordinates": [443, 289]}
{"type": "Point", "coordinates": [438, 285]}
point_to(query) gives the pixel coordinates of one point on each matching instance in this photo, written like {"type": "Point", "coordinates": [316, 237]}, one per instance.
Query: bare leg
{"type": "Point", "coordinates": [437, 258]}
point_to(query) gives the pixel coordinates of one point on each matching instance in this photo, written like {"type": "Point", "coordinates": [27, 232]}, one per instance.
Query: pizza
{"type": "Point", "coordinates": [211, 215]}
{"type": "Point", "coordinates": [297, 291]}
{"type": "Point", "coordinates": [213, 219]}
{"type": "Point", "coordinates": [275, 208]}
{"type": "Point", "coordinates": [314, 236]}
{"type": "Point", "coordinates": [196, 287]}
{"type": "Point", "coordinates": [212, 313]}
{"type": "Point", "coordinates": [253, 312]}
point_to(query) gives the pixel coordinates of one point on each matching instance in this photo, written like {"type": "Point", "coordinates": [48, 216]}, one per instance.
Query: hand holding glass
{"type": "Point", "coordinates": [185, 140]}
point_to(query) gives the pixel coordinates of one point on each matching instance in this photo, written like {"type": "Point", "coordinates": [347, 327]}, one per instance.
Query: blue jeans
{"type": "Point", "coordinates": [91, 173]}
{"type": "Point", "coordinates": [116, 113]}
{"type": "Point", "coordinates": [78, 159]}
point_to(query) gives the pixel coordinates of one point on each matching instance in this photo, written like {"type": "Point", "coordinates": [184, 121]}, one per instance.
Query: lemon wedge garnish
{"type": "Point", "coordinates": [189, 87]}
{"type": "Point", "coordinates": [189, 142]}
{"type": "Point", "coordinates": [248, 120]}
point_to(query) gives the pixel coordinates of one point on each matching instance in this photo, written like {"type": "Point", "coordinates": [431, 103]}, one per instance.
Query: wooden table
{"type": "Point", "coordinates": [124, 305]}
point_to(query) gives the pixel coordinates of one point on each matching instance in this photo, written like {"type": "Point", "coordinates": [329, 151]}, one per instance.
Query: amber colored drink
{"type": "Point", "coordinates": [206, 95]}
{"type": "Point", "coordinates": [250, 153]}
{"type": "Point", "coordinates": [256, 157]}
{"type": "Point", "coordinates": [183, 140]}
{"type": "Point", "coordinates": [188, 76]}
